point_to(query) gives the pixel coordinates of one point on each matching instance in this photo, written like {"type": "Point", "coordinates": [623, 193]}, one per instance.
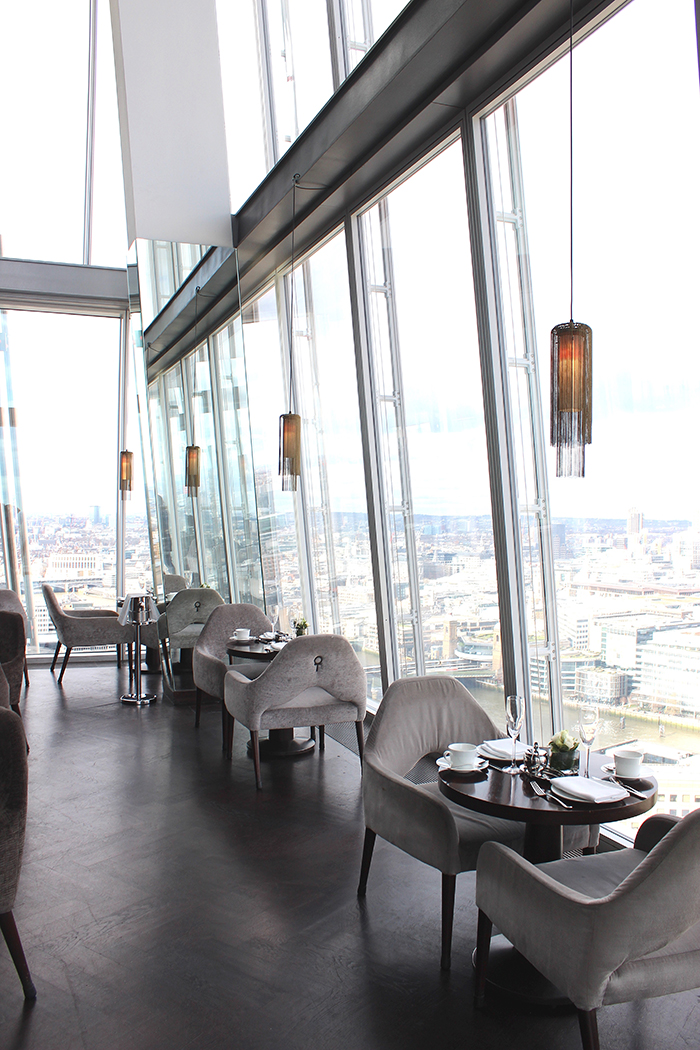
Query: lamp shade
{"type": "Point", "coordinates": [290, 450]}
{"type": "Point", "coordinates": [126, 473]}
{"type": "Point", "coordinates": [192, 458]}
{"type": "Point", "coordinates": [571, 396]}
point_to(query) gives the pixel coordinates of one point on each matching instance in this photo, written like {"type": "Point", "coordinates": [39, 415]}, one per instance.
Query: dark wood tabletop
{"type": "Point", "coordinates": [251, 650]}
{"type": "Point", "coordinates": [499, 794]}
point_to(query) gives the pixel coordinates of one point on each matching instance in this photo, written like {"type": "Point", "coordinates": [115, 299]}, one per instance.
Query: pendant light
{"type": "Point", "coordinates": [571, 350]}
{"type": "Point", "coordinates": [290, 422]}
{"type": "Point", "coordinates": [126, 473]}
{"type": "Point", "coordinates": [192, 458]}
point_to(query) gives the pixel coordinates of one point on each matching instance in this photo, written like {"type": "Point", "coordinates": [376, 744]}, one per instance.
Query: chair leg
{"type": "Point", "coordinates": [11, 935]}
{"type": "Point", "coordinates": [322, 738]}
{"type": "Point", "coordinates": [228, 733]}
{"type": "Point", "coordinates": [255, 741]}
{"type": "Point", "coordinates": [26, 672]}
{"type": "Point", "coordinates": [483, 946]}
{"type": "Point", "coordinates": [312, 732]}
{"type": "Point", "coordinates": [166, 657]}
{"type": "Point", "coordinates": [449, 884]}
{"type": "Point", "coordinates": [119, 655]}
{"type": "Point", "coordinates": [588, 1025]}
{"type": "Point", "coordinates": [64, 665]}
{"type": "Point", "coordinates": [197, 706]}
{"type": "Point", "coordinates": [15, 708]}
{"type": "Point", "coordinates": [55, 656]}
{"type": "Point", "coordinates": [367, 850]}
{"type": "Point", "coordinates": [360, 730]}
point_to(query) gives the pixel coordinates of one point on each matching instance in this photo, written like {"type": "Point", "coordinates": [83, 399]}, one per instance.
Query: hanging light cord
{"type": "Point", "coordinates": [571, 157]}
{"type": "Point", "coordinates": [295, 179]}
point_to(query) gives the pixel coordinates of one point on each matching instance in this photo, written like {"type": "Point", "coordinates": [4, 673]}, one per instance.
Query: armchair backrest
{"type": "Point", "coordinates": [10, 601]}
{"type": "Point", "coordinates": [56, 613]}
{"type": "Point", "coordinates": [418, 716]}
{"type": "Point", "coordinates": [173, 583]}
{"type": "Point", "coordinates": [324, 660]}
{"type": "Point", "coordinates": [191, 606]}
{"type": "Point", "coordinates": [224, 620]}
{"type": "Point", "coordinates": [13, 638]}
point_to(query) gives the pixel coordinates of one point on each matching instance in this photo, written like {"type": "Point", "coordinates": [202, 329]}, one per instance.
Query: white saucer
{"type": "Point", "coordinates": [643, 774]}
{"type": "Point", "coordinates": [443, 764]}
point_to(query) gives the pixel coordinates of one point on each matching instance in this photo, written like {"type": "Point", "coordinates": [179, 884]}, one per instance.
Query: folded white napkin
{"type": "Point", "coordinates": [277, 645]}
{"type": "Point", "coordinates": [502, 749]}
{"type": "Point", "coordinates": [588, 789]}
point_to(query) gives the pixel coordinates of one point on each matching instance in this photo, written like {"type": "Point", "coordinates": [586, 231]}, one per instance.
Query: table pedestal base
{"type": "Point", "coordinates": [138, 698]}
{"type": "Point", "coordinates": [281, 743]}
{"type": "Point", "coordinates": [511, 974]}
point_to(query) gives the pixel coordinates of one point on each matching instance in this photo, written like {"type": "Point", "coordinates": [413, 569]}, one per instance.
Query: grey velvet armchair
{"type": "Point", "coordinates": [186, 615]}
{"type": "Point", "coordinates": [13, 813]}
{"type": "Point", "coordinates": [13, 653]}
{"type": "Point", "coordinates": [210, 661]}
{"type": "Point", "coordinates": [418, 717]}
{"type": "Point", "coordinates": [631, 918]}
{"type": "Point", "coordinates": [174, 583]}
{"type": "Point", "coordinates": [10, 601]}
{"type": "Point", "coordinates": [84, 627]}
{"type": "Point", "coordinates": [314, 681]}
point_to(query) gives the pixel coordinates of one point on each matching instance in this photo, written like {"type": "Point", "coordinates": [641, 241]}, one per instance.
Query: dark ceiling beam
{"type": "Point", "coordinates": [439, 58]}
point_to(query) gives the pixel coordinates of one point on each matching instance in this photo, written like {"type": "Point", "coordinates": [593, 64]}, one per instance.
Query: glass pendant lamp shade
{"type": "Point", "coordinates": [126, 473]}
{"type": "Point", "coordinates": [192, 455]}
{"type": "Point", "coordinates": [571, 396]}
{"type": "Point", "coordinates": [290, 450]}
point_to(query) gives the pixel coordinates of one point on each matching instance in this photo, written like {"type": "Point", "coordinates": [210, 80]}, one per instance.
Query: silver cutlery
{"type": "Point", "coordinates": [626, 787]}
{"type": "Point", "coordinates": [539, 790]}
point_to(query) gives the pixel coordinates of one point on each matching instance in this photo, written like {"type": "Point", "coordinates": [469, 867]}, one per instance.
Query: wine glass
{"type": "Point", "coordinates": [514, 721]}
{"type": "Point", "coordinates": [588, 722]}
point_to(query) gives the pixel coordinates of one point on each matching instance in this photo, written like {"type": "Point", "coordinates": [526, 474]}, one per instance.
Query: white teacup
{"type": "Point", "coordinates": [462, 756]}
{"type": "Point", "coordinates": [241, 633]}
{"type": "Point", "coordinates": [628, 762]}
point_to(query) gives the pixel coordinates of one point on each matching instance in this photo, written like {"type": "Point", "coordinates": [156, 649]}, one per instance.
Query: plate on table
{"type": "Point", "coordinates": [644, 773]}
{"type": "Point", "coordinates": [444, 765]}
{"type": "Point", "coordinates": [244, 641]}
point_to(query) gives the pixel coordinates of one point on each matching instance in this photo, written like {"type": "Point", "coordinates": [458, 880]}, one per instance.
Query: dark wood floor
{"type": "Point", "coordinates": [164, 903]}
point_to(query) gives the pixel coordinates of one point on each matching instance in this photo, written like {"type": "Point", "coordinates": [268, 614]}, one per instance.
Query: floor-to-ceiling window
{"type": "Point", "coordinates": [622, 540]}
{"type": "Point", "coordinates": [428, 411]}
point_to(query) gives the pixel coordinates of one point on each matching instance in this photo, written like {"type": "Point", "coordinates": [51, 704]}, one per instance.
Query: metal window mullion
{"type": "Point", "coordinates": [147, 455]}
{"type": "Point", "coordinates": [266, 88]}
{"type": "Point", "coordinates": [498, 418]}
{"type": "Point", "coordinates": [224, 495]}
{"type": "Point", "coordinates": [170, 478]}
{"type": "Point", "coordinates": [402, 441]}
{"type": "Point", "coordinates": [121, 439]}
{"type": "Point", "coordinates": [371, 445]}
{"type": "Point", "coordinates": [536, 417]}
{"type": "Point", "coordinates": [337, 33]}
{"type": "Point", "coordinates": [90, 135]}
{"type": "Point", "coordinates": [306, 578]}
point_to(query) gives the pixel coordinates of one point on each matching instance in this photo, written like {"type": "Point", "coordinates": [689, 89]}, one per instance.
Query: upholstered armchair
{"type": "Point", "coordinates": [210, 661]}
{"type": "Point", "coordinates": [10, 601]}
{"type": "Point", "coordinates": [13, 653]}
{"type": "Point", "coordinates": [315, 680]}
{"type": "Point", "coordinates": [173, 583]}
{"type": "Point", "coordinates": [84, 627]}
{"type": "Point", "coordinates": [628, 922]}
{"type": "Point", "coordinates": [13, 813]}
{"type": "Point", "coordinates": [186, 615]}
{"type": "Point", "coordinates": [418, 717]}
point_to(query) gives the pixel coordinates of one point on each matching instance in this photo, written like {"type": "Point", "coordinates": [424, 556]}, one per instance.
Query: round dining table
{"type": "Point", "coordinates": [500, 794]}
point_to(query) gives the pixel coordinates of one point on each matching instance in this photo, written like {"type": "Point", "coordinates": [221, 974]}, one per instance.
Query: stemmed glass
{"type": "Point", "coordinates": [514, 721]}
{"type": "Point", "coordinates": [588, 722]}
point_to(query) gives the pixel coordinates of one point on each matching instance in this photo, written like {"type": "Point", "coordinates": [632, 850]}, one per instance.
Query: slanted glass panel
{"type": "Point", "coordinates": [207, 505]}
{"type": "Point", "coordinates": [164, 498]}
{"type": "Point", "coordinates": [241, 517]}
{"type": "Point", "coordinates": [276, 509]}
{"type": "Point", "coordinates": [333, 476]}
{"type": "Point", "coordinates": [429, 403]}
{"type": "Point", "coordinates": [298, 53]}
{"type": "Point", "coordinates": [182, 509]}
{"type": "Point", "coordinates": [163, 267]}
{"type": "Point", "coordinates": [624, 539]}
{"type": "Point", "coordinates": [364, 21]}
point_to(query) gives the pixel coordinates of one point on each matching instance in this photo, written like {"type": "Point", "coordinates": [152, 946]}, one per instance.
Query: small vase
{"type": "Point", "coordinates": [300, 631]}
{"type": "Point", "coordinates": [566, 761]}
